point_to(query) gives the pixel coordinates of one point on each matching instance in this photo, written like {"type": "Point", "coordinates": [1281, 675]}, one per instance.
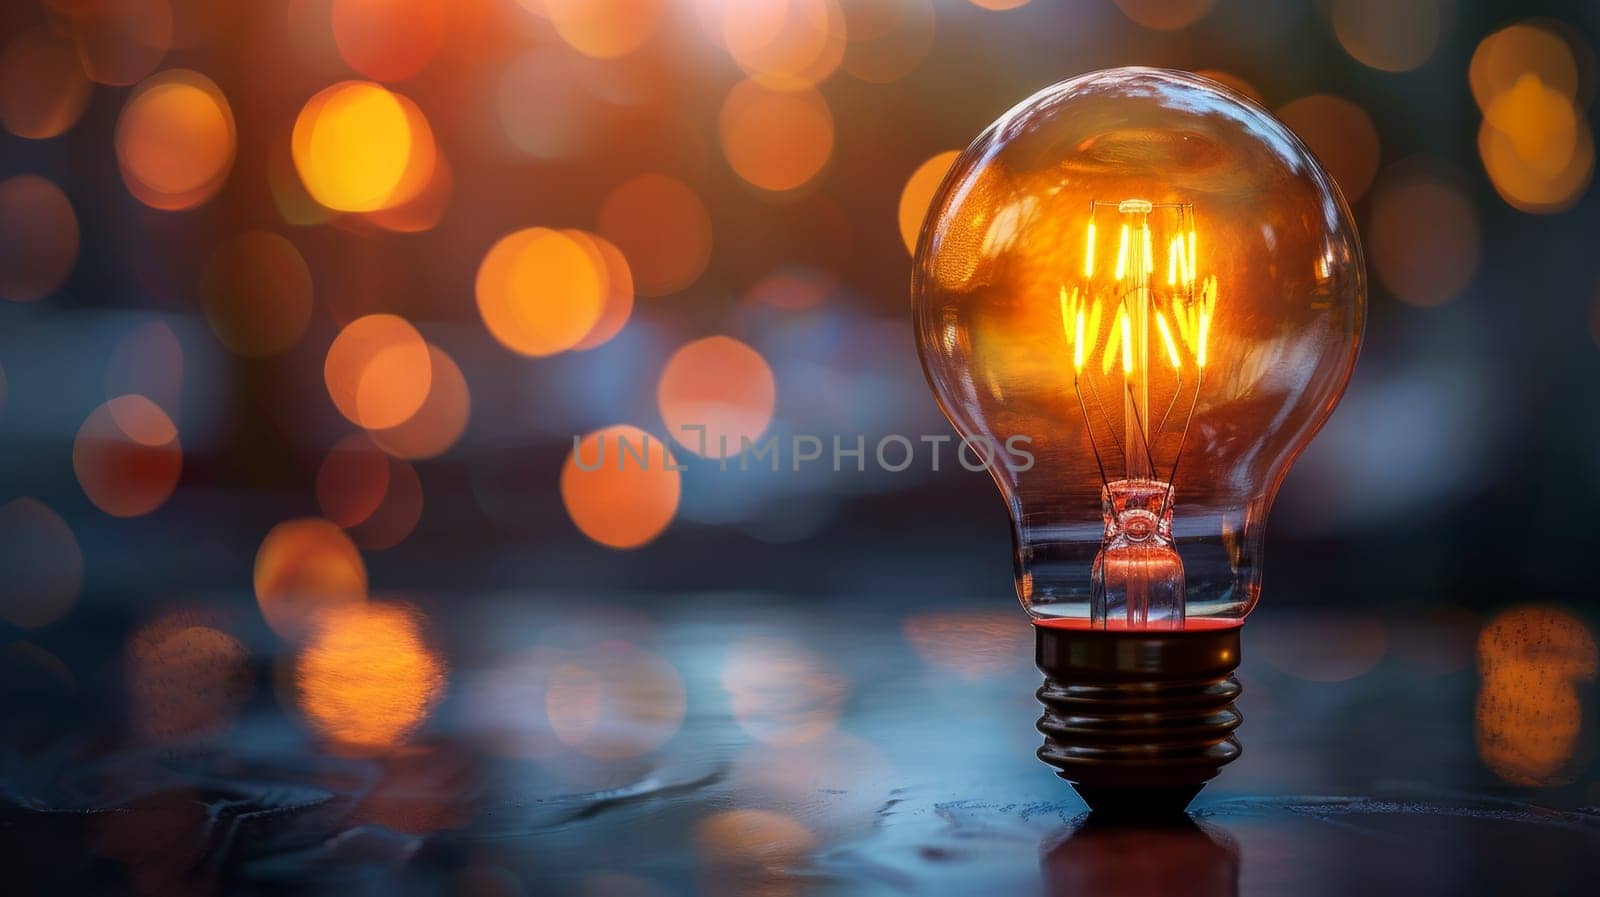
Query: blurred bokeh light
{"type": "Point", "coordinates": [1392, 37]}
{"type": "Point", "coordinates": [971, 644]}
{"type": "Point", "coordinates": [396, 513]}
{"type": "Point", "coordinates": [662, 228]}
{"type": "Point", "coordinates": [1535, 141]}
{"type": "Point", "coordinates": [616, 304]}
{"type": "Point", "coordinates": [304, 567]}
{"type": "Point", "coordinates": [176, 140]}
{"type": "Point", "coordinates": [367, 676]}
{"type": "Point", "coordinates": [186, 679]}
{"type": "Point", "coordinates": [620, 486]}
{"type": "Point", "coordinates": [781, 693]}
{"type": "Point", "coordinates": [545, 108]}
{"type": "Point", "coordinates": [605, 29]}
{"type": "Point", "coordinates": [38, 238]}
{"type": "Point", "coordinates": [785, 44]}
{"type": "Point", "coordinates": [378, 371]}
{"type": "Point", "coordinates": [1423, 238]}
{"type": "Point", "coordinates": [257, 292]}
{"type": "Point", "coordinates": [761, 838]}
{"type": "Point", "coordinates": [1165, 15]}
{"type": "Point", "coordinates": [419, 208]}
{"type": "Point", "coordinates": [148, 360]}
{"type": "Point", "coordinates": [541, 291]}
{"type": "Point", "coordinates": [389, 40]}
{"type": "Point", "coordinates": [918, 194]}
{"type": "Point", "coordinates": [793, 289]}
{"type": "Point", "coordinates": [352, 481]}
{"type": "Point", "coordinates": [43, 90]}
{"type": "Point", "coordinates": [777, 140]}
{"type": "Point", "coordinates": [127, 456]}
{"type": "Point", "coordinates": [1342, 136]}
{"type": "Point", "coordinates": [361, 148]}
{"type": "Point", "coordinates": [716, 394]}
{"type": "Point", "coordinates": [439, 422]}
{"type": "Point", "coordinates": [120, 41]}
{"type": "Point", "coordinates": [615, 701]}
{"type": "Point", "coordinates": [1532, 661]}
{"type": "Point", "coordinates": [1506, 56]}
{"type": "Point", "coordinates": [43, 564]}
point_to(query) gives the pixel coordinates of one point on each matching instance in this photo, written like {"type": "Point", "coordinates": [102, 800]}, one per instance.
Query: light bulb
{"type": "Point", "coordinates": [1154, 281]}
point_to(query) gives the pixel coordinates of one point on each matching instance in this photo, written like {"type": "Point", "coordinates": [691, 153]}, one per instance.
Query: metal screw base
{"type": "Point", "coordinates": [1138, 722]}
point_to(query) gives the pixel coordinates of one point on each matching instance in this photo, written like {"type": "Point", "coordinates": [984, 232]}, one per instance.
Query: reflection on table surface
{"type": "Point", "coordinates": [739, 745]}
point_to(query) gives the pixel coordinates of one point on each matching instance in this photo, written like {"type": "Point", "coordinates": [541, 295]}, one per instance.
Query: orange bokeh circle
{"type": "Point", "coordinates": [621, 502]}
{"type": "Point", "coordinates": [378, 371]}
{"type": "Point", "coordinates": [304, 567]}
{"type": "Point", "coordinates": [539, 291]}
{"type": "Point", "coordinates": [127, 457]}
{"type": "Point", "coordinates": [662, 228]}
{"type": "Point", "coordinates": [175, 140]}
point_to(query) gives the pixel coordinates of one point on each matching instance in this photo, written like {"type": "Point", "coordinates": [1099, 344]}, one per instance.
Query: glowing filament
{"type": "Point", "coordinates": [1088, 253]}
{"type": "Point", "coordinates": [1070, 310]}
{"type": "Point", "coordinates": [1127, 344]}
{"type": "Point", "coordinates": [1149, 255]}
{"type": "Point", "coordinates": [1166, 337]}
{"type": "Point", "coordinates": [1113, 342]}
{"type": "Point", "coordinates": [1180, 263]}
{"type": "Point", "coordinates": [1205, 331]}
{"type": "Point", "coordinates": [1122, 254]}
{"type": "Point", "coordinates": [1191, 262]}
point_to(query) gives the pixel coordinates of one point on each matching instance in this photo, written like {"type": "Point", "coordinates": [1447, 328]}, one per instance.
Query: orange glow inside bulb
{"type": "Point", "coordinates": [1167, 382]}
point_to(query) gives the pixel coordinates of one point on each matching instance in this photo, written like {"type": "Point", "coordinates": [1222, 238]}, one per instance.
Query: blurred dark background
{"type": "Point", "coordinates": [231, 235]}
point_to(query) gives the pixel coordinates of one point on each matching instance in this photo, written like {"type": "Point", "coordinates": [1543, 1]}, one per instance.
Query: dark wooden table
{"type": "Point", "coordinates": [749, 746]}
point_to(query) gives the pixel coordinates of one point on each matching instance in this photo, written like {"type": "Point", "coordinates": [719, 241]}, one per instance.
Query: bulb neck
{"type": "Point", "coordinates": [1138, 721]}
{"type": "Point", "coordinates": [1138, 577]}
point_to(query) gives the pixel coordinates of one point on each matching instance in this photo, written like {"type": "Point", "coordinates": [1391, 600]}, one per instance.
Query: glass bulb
{"type": "Point", "coordinates": [1154, 281]}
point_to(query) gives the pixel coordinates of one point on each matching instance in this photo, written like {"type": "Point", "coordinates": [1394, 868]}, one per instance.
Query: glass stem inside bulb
{"type": "Point", "coordinates": [1136, 333]}
{"type": "Point", "coordinates": [1138, 578]}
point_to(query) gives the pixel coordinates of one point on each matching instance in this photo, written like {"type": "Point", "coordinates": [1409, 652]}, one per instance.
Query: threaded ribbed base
{"type": "Point", "coordinates": [1138, 722]}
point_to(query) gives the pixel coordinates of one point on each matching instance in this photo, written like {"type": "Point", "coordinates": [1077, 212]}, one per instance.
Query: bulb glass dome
{"type": "Point", "coordinates": [1153, 283]}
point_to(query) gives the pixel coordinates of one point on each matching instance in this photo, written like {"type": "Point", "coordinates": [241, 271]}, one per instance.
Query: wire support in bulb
{"type": "Point", "coordinates": [1147, 440]}
{"type": "Point", "coordinates": [1183, 440]}
{"type": "Point", "coordinates": [1144, 439]}
{"type": "Point", "coordinates": [1177, 390]}
{"type": "Point", "coordinates": [1099, 463]}
{"type": "Point", "coordinates": [1104, 417]}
